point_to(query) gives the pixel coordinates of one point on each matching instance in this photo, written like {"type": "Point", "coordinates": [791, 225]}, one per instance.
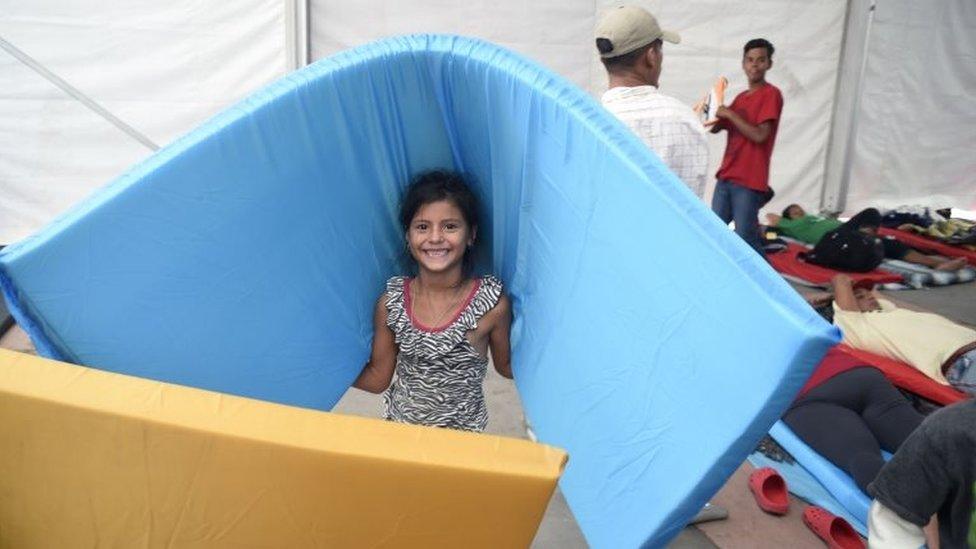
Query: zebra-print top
{"type": "Point", "coordinates": [439, 375]}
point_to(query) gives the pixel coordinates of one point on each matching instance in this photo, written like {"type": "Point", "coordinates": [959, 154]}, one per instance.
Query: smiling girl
{"type": "Point", "coordinates": [432, 332]}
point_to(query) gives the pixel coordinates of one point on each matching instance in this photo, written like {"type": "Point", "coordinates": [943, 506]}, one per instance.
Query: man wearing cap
{"type": "Point", "coordinates": [630, 43]}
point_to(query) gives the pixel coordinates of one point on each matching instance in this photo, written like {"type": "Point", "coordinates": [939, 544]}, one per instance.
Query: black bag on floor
{"type": "Point", "coordinates": [847, 250]}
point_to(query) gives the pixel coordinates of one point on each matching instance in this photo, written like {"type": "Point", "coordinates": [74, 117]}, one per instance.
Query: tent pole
{"type": "Point", "coordinates": [847, 105]}
{"type": "Point", "coordinates": [74, 92]}
{"type": "Point", "coordinates": [297, 33]}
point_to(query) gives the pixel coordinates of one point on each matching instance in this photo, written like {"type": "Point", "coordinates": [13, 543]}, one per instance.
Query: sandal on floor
{"type": "Point", "coordinates": [770, 492]}
{"type": "Point", "coordinates": [835, 531]}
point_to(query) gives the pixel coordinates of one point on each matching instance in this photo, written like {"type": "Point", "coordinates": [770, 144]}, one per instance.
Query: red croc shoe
{"type": "Point", "coordinates": [769, 488]}
{"type": "Point", "coordinates": [835, 531]}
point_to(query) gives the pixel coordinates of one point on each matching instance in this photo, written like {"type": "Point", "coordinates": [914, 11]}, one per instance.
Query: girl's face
{"type": "Point", "coordinates": [439, 236]}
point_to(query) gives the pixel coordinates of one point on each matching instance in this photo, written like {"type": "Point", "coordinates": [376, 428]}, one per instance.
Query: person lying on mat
{"type": "Point", "coordinates": [848, 412]}
{"type": "Point", "coordinates": [933, 473]}
{"type": "Point", "coordinates": [432, 332]}
{"type": "Point", "coordinates": [939, 348]}
{"type": "Point", "coordinates": [811, 229]}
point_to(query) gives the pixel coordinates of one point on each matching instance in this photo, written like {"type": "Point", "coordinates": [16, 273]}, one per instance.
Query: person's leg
{"type": "Point", "coordinates": [838, 434]}
{"type": "Point", "coordinates": [722, 201]}
{"type": "Point", "coordinates": [962, 373]}
{"type": "Point", "coordinates": [745, 213]}
{"type": "Point", "coordinates": [931, 261]}
{"type": "Point", "coordinates": [868, 218]}
{"type": "Point", "coordinates": [888, 414]}
{"type": "Point", "coordinates": [895, 249]}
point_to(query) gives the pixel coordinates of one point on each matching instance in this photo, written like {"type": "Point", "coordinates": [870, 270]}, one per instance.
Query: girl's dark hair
{"type": "Point", "coordinates": [786, 210]}
{"type": "Point", "coordinates": [436, 185]}
{"type": "Point", "coordinates": [759, 43]}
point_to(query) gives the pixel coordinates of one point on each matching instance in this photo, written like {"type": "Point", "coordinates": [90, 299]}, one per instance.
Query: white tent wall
{"type": "Point", "coordinates": [916, 125]}
{"type": "Point", "coordinates": [901, 134]}
{"type": "Point", "coordinates": [161, 67]}
{"type": "Point", "coordinates": [559, 35]}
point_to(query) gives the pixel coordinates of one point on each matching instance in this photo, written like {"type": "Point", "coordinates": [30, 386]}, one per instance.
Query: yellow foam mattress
{"type": "Point", "coordinates": [91, 458]}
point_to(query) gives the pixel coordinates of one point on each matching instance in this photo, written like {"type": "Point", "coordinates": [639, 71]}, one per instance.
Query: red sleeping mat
{"type": "Point", "coordinates": [908, 378]}
{"type": "Point", "coordinates": [927, 244]}
{"type": "Point", "coordinates": [787, 263]}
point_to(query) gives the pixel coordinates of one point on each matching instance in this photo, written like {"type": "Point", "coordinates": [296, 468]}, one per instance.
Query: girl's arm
{"type": "Point", "coordinates": [501, 350]}
{"type": "Point", "coordinates": [378, 372]}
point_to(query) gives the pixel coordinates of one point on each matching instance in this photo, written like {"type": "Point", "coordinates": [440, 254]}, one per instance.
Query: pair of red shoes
{"type": "Point", "coordinates": [771, 494]}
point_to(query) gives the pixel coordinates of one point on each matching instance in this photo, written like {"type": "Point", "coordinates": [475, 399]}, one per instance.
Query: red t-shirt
{"type": "Point", "coordinates": [747, 163]}
{"type": "Point", "coordinates": [833, 363]}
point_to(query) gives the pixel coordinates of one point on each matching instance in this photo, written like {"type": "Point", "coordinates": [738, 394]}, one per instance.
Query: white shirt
{"type": "Point", "coordinates": [886, 530]}
{"type": "Point", "coordinates": [924, 340]}
{"type": "Point", "coordinates": [668, 126]}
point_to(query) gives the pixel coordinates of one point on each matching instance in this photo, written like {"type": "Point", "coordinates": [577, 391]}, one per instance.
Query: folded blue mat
{"type": "Point", "coordinates": [649, 341]}
{"type": "Point", "coordinates": [842, 496]}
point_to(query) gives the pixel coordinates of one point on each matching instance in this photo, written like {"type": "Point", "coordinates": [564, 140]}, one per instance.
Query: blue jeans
{"type": "Point", "coordinates": [962, 373]}
{"type": "Point", "coordinates": [732, 202]}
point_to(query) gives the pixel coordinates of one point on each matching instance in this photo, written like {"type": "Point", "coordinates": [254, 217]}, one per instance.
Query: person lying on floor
{"type": "Point", "coordinates": [848, 412]}
{"type": "Point", "coordinates": [939, 348]}
{"type": "Point", "coordinates": [812, 229]}
{"type": "Point", "coordinates": [932, 473]}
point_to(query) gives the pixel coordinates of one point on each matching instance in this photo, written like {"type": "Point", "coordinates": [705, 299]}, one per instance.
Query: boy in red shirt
{"type": "Point", "coordinates": [751, 121]}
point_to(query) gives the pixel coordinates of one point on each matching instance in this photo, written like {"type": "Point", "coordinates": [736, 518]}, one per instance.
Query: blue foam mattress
{"type": "Point", "coordinates": [245, 257]}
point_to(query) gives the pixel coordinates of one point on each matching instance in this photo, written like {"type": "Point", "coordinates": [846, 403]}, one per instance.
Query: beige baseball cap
{"type": "Point", "coordinates": [630, 27]}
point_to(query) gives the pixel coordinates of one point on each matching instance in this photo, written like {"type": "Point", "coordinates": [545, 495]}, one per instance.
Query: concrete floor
{"type": "Point", "coordinates": [558, 528]}
{"type": "Point", "coordinates": [747, 526]}
{"type": "Point", "coordinates": [956, 302]}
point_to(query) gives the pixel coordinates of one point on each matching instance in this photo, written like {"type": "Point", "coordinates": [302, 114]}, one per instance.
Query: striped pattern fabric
{"type": "Point", "coordinates": [439, 375]}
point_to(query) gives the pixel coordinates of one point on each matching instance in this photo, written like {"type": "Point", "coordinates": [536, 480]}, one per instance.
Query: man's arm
{"type": "Point", "coordinates": [715, 126]}
{"type": "Point", "coordinates": [921, 478]}
{"type": "Point", "coordinates": [756, 134]}
{"type": "Point", "coordinates": [887, 529]}
{"type": "Point", "coordinates": [843, 288]}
